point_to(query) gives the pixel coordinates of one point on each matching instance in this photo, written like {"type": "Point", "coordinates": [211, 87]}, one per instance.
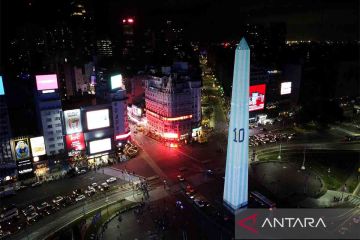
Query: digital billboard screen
{"type": "Point", "coordinates": [98, 146]}
{"type": "Point", "coordinates": [22, 149]}
{"type": "Point", "coordinates": [257, 97]}
{"type": "Point", "coordinates": [46, 82]}
{"type": "Point", "coordinates": [75, 142]}
{"type": "Point", "coordinates": [37, 146]}
{"type": "Point", "coordinates": [116, 81]}
{"type": "Point", "coordinates": [98, 119]}
{"type": "Point", "coordinates": [285, 88]}
{"type": "Point", "coordinates": [72, 121]}
{"type": "Point", "coordinates": [2, 90]}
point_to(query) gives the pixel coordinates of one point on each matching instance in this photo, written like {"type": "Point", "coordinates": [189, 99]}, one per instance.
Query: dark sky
{"type": "Point", "coordinates": [306, 19]}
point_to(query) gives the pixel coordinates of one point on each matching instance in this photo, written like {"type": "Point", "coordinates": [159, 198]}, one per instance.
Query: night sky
{"type": "Point", "coordinates": [207, 19]}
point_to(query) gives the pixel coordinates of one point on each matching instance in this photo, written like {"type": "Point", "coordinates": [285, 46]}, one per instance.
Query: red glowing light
{"type": "Point", "coordinates": [171, 135]}
{"type": "Point", "coordinates": [130, 20]}
{"type": "Point", "coordinates": [257, 97]}
{"type": "Point", "coordinates": [173, 145]}
{"type": "Point", "coordinates": [122, 136]}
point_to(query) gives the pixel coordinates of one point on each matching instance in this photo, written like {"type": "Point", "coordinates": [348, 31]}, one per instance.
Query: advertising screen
{"type": "Point", "coordinates": [37, 146]}
{"type": "Point", "coordinates": [98, 146]}
{"type": "Point", "coordinates": [75, 142]}
{"type": "Point", "coordinates": [2, 90]}
{"type": "Point", "coordinates": [257, 97]}
{"type": "Point", "coordinates": [116, 81]}
{"type": "Point", "coordinates": [22, 150]}
{"type": "Point", "coordinates": [97, 119]}
{"type": "Point", "coordinates": [72, 121]}
{"type": "Point", "coordinates": [46, 82]}
{"type": "Point", "coordinates": [285, 88]}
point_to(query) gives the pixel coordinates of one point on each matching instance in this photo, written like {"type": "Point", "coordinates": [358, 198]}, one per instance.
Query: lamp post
{"type": "Point", "coordinates": [279, 156]}
{"type": "Point", "coordinates": [303, 163]}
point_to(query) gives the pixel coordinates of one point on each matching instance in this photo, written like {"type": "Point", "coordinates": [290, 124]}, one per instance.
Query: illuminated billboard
{"type": "Point", "coordinates": [75, 142]}
{"type": "Point", "coordinates": [116, 81]}
{"type": "Point", "coordinates": [97, 119]}
{"type": "Point", "coordinates": [72, 121]}
{"type": "Point", "coordinates": [257, 97]}
{"type": "Point", "coordinates": [285, 88]}
{"type": "Point", "coordinates": [37, 146]}
{"type": "Point", "coordinates": [22, 150]}
{"type": "Point", "coordinates": [98, 146]}
{"type": "Point", "coordinates": [46, 82]}
{"type": "Point", "coordinates": [2, 90]}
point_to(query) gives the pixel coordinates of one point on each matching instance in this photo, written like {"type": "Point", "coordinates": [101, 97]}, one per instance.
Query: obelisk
{"type": "Point", "coordinates": [237, 158]}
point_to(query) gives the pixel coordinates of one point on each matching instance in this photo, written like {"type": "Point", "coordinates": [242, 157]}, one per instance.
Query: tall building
{"type": "Point", "coordinates": [120, 118]}
{"type": "Point", "coordinates": [49, 108]}
{"type": "Point", "coordinates": [104, 48]}
{"type": "Point", "coordinates": [5, 130]}
{"type": "Point", "coordinates": [173, 106]}
{"type": "Point", "coordinates": [236, 173]}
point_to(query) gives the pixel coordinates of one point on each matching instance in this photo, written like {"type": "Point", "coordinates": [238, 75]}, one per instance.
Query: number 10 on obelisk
{"type": "Point", "coordinates": [237, 162]}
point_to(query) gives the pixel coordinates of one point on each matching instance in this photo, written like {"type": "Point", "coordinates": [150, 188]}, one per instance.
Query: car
{"type": "Point", "coordinates": [210, 172]}
{"type": "Point", "coordinates": [28, 210]}
{"type": "Point", "coordinates": [79, 198]}
{"type": "Point", "coordinates": [180, 178]}
{"type": "Point", "coordinates": [100, 188]}
{"type": "Point", "coordinates": [356, 220]}
{"type": "Point", "coordinates": [32, 217]}
{"type": "Point", "coordinates": [90, 192]}
{"type": "Point", "coordinates": [200, 203]}
{"type": "Point", "coordinates": [105, 186]}
{"type": "Point", "coordinates": [94, 184]}
{"type": "Point", "coordinates": [111, 180]}
{"type": "Point", "coordinates": [77, 191]}
{"type": "Point", "coordinates": [43, 206]}
{"type": "Point", "coordinates": [58, 200]}
{"type": "Point", "coordinates": [36, 184]}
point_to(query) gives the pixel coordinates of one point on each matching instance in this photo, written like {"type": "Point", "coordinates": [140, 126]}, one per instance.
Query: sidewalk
{"type": "Point", "coordinates": [327, 200]}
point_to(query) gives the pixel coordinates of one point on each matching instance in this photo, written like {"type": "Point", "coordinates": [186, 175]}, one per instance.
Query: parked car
{"type": "Point", "coordinates": [43, 206]}
{"type": "Point", "coordinates": [32, 217]}
{"type": "Point", "coordinates": [111, 180]}
{"type": "Point", "coordinates": [105, 186]}
{"type": "Point", "coordinates": [79, 198]}
{"type": "Point", "coordinates": [94, 184]}
{"type": "Point", "coordinates": [28, 210]}
{"type": "Point", "coordinates": [77, 191]}
{"type": "Point", "coordinates": [58, 200]}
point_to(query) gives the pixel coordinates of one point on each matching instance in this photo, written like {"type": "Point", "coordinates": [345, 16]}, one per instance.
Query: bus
{"type": "Point", "coordinates": [262, 200]}
{"type": "Point", "coordinates": [9, 213]}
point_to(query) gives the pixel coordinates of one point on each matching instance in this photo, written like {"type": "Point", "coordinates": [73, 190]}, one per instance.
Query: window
{"type": "Point", "coordinates": [48, 119]}
{"type": "Point", "coordinates": [49, 126]}
{"type": "Point", "coordinates": [60, 144]}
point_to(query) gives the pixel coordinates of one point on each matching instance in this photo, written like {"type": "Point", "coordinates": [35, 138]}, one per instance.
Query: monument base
{"type": "Point", "coordinates": [235, 210]}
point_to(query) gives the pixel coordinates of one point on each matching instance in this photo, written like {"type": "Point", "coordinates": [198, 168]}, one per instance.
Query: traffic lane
{"type": "Point", "coordinates": [54, 222]}
{"type": "Point", "coordinates": [49, 190]}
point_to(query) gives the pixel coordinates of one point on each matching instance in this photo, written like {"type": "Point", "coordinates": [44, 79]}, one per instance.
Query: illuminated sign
{"type": "Point", "coordinates": [257, 97]}
{"type": "Point", "coordinates": [97, 119]}
{"type": "Point", "coordinates": [22, 150]}
{"type": "Point", "coordinates": [116, 81]}
{"type": "Point", "coordinates": [170, 135]}
{"type": "Point", "coordinates": [285, 88]}
{"type": "Point", "coordinates": [98, 146]}
{"type": "Point", "coordinates": [75, 142]}
{"type": "Point", "coordinates": [46, 82]}
{"type": "Point", "coordinates": [2, 90]}
{"type": "Point", "coordinates": [72, 121]}
{"type": "Point", "coordinates": [37, 146]}
{"type": "Point", "coordinates": [122, 136]}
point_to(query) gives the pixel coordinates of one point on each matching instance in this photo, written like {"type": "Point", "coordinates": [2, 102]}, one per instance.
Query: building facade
{"type": "Point", "coordinates": [173, 106]}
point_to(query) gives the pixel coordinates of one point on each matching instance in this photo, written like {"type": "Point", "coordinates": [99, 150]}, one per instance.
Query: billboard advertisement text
{"type": "Point", "coordinates": [72, 121]}
{"type": "Point", "coordinates": [37, 146]}
{"type": "Point", "coordinates": [75, 142]}
{"type": "Point", "coordinates": [22, 149]}
{"type": "Point", "coordinates": [46, 82]}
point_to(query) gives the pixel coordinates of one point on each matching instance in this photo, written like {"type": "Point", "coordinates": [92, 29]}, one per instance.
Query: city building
{"type": "Point", "coordinates": [104, 48]}
{"type": "Point", "coordinates": [49, 108]}
{"type": "Point", "coordinates": [120, 118]}
{"type": "Point", "coordinates": [7, 163]}
{"type": "Point", "coordinates": [172, 103]}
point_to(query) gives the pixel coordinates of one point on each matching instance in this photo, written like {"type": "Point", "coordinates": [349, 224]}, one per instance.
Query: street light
{"type": "Point", "coordinates": [303, 164]}
{"type": "Point", "coordinates": [279, 157]}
